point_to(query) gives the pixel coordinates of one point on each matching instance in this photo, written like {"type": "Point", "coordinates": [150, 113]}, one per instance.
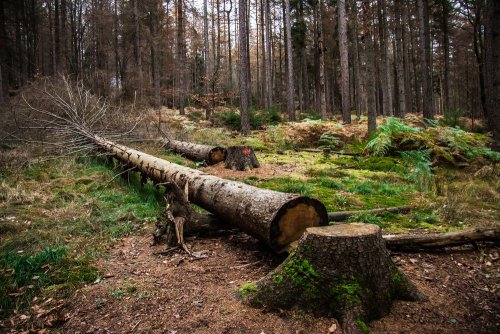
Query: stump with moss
{"type": "Point", "coordinates": [342, 271]}
{"type": "Point", "coordinates": [241, 158]}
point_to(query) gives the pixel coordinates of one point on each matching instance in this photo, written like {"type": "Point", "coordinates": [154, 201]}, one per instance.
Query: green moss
{"type": "Point", "coordinates": [300, 273]}
{"type": "Point", "coordinates": [247, 289]}
{"type": "Point", "coordinates": [397, 277]}
{"type": "Point", "coordinates": [348, 292]}
{"type": "Point", "coordinates": [363, 327]}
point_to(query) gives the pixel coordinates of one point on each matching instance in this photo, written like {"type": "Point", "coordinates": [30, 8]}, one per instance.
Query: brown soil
{"type": "Point", "coordinates": [265, 171]}
{"type": "Point", "coordinates": [148, 293]}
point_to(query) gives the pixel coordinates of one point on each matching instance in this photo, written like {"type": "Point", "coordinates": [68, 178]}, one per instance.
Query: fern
{"type": "Point", "coordinates": [443, 143]}
{"type": "Point", "coordinates": [420, 173]}
{"type": "Point", "coordinates": [384, 140]}
{"type": "Point", "coordinates": [329, 141]}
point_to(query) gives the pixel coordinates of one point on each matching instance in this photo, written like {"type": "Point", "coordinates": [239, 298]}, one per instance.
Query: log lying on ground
{"type": "Point", "coordinates": [275, 218]}
{"type": "Point", "coordinates": [196, 152]}
{"type": "Point", "coordinates": [440, 240]}
{"type": "Point", "coordinates": [340, 270]}
{"type": "Point", "coordinates": [241, 158]}
{"type": "Point", "coordinates": [345, 215]}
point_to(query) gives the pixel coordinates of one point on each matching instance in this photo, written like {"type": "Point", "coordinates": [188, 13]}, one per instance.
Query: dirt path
{"type": "Point", "coordinates": [147, 293]}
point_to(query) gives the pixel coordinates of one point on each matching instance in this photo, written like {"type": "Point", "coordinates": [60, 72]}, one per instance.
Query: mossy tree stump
{"type": "Point", "coordinates": [241, 158]}
{"type": "Point", "coordinates": [342, 271]}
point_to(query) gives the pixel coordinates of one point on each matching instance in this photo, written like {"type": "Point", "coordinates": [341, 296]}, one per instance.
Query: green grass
{"type": "Point", "coordinates": [68, 214]}
{"type": "Point", "coordinates": [23, 276]}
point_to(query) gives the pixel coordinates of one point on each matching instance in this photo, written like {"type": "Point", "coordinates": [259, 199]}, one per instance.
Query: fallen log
{"type": "Point", "coordinates": [440, 240]}
{"type": "Point", "coordinates": [343, 271]}
{"type": "Point", "coordinates": [196, 152]}
{"type": "Point", "coordinates": [273, 217]}
{"type": "Point", "coordinates": [345, 215]}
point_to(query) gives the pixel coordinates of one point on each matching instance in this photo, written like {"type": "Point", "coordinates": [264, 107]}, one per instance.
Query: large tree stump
{"type": "Point", "coordinates": [211, 155]}
{"type": "Point", "coordinates": [241, 158]}
{"type": "Point", "coordinates": [342, 270]}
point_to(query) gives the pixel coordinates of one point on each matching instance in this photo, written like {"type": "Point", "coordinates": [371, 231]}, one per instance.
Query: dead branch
{"type": "Point", "coordinates": [411, 242]}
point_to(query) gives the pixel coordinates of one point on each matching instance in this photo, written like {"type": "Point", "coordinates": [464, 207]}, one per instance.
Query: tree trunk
{"type": "Point", "coordinates": [241, 158]}
{"type": "Point", "coordinates": [359, 87]}
{"type": "Point", "coordinates": [423, 18]}
{"type": "Point", "coordinates": [290, 91]}
{"type": "Point", "coordinates": [206, 55]}
{"type": "Point", "coordinates": [400, 70]}
{"type": "Point", "coordinates": [369, 60]}
{"type": "Point", "coordinates": [196, 152]}
{"type": "Point", "coordinates": [446, 8]}
{"type": "Point", "coordinates": [181, 55]}
{"type": "Point", "coordinates": [344, 62]}
{"type": "Point", "coordinates": [275, 218]}
{"type": "Point", "coordinates": [342, 270]}
{"type": "Point", "coordinates": [321, 53]}
{"type": "Point", "coordinates": [492, 65]}
{"type": "Point", "coordinates": [229, 46]}
{"type": "Point", "coordinates": [243, 53]}
{"type": "Point", "coordinates": [268, 55]}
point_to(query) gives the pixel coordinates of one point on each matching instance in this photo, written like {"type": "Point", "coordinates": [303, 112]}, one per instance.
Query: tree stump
{"type": "Point", "coordinates": [241, 158]}
{"type": "Point", "coordinates": [342, 271]}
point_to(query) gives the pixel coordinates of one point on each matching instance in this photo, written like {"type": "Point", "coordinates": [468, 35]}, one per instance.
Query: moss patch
{"type": "Point", "coordinates": [247, 289]}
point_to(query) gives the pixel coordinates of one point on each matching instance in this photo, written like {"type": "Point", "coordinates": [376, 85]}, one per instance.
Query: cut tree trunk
{"type": "Point", "coordinates": [345, 215]}
{"type": "Point", "coordinates": [241, 158]}
{"type": "Point", "coordinates": [341, 270]}
{"type": "Point", "coordinates": [275, 218]}
{"type": "Point", "coordinates": [440, 240]}
{"type": "Point", "coordinates": [211, 155]}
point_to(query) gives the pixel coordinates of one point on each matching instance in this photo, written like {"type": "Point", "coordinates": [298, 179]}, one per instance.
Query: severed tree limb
{"type": "Point", "coordinates": [403, 242]}
{"type": "Point", "coordinates": [178, 214]}
{"type": "Point", "coordinates": [211, 155]}
{"type": "Point", "coordinates": [345, 215]}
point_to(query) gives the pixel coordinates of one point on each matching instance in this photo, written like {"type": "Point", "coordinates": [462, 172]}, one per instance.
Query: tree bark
{"type": "Point", "coordinates": [344, 62]}
{"type": "Point", "coordinates": [268, 55]}
{"type": "Point", "coordinates": [290, 91]}
{"type": "Point", "coordinates": [241, 158]}
{"type": "Point", "coordinates": [211, 155]}
{"type": "Point", "coordinates": [243, 53]}
{"type": "Point", "coordinates": [423, 18]}
{"type": "Point", "coordinates": [275, 218]}
{"type": "Point", "coordinates": [343, 271]}
{"type": "Point", "coordinates": [181, 55]}
{"type": "Point", "coordinates": [206, 55]}
{"type": "Point", "coordinates": [400, 64]}
{"type": "Point", "coordinates": [492, 65]}
{"type": "Point", "coordinates": [321, 53]}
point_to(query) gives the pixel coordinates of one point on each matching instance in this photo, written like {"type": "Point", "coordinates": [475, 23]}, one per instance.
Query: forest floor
{"type": "Point", "coordinates": [76, 254]}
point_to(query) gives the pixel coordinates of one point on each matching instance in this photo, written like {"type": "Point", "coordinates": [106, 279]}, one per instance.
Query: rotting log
{"type": "Point", "coordinates": [343, 271]}
{"type": "Point", "coordinates": [273, 217]}
{"type": "Point", "coordinates": [211, 155]}
{"type": "Point", "coordinates": [241, 158]}
{"type": "Point", "coordinates": [440, 240]}
{"type": "Point", "coordinates": [345, 215]}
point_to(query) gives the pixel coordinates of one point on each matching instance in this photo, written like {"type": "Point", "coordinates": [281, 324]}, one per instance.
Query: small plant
{"type": "Point", "coordinates": [329, 141]}
{"type": "Point", "coordinates": [118, 294]}
{"type": "Point", "coordinates": [419, 163]}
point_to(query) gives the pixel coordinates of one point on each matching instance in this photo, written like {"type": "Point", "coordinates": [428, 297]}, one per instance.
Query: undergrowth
{"type": "Point", "coordinates": [57, 217]}
{"type": "Point", "coordinates": [449, 144]}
